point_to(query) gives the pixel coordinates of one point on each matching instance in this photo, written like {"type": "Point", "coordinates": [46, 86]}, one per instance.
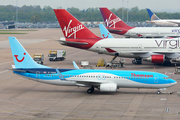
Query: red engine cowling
{"type": "Point", "coordinates": [157, 58]}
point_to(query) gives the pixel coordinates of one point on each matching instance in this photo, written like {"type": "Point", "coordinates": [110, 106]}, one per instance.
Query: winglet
{"type": "Point", "coordinates": [152, 15]}
{"type": "Point", "coordinates": [104, 32]}
{"type": "Point", "coordinates": [60, 75]}
{"type": "Point", "coordinates": [75, 65]}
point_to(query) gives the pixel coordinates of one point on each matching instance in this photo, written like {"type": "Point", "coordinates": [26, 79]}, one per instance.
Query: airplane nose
{"type": "Point", "coordinates": [172, 82]}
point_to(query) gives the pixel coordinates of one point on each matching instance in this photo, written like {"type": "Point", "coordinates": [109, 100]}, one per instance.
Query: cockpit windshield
{"type": "Point", "coordinates": [166, 78]}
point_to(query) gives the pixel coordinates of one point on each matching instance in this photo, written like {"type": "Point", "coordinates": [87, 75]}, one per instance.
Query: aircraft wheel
{"type": "Point", "coordinates": [89, 91]}
{"type": "Point", "coordinates": [92, 89]}
{"type": "Point", "coordinates": [158, 92]}
{"type": "Point", "coordinates": [133, 61]}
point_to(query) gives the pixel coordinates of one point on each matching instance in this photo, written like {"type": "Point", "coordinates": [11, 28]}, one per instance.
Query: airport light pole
{"type": "Point", "coordinates": [16, 10]}
{"type": "Point", "coordinates": [122, 8]}
{"type": "Point", "coordinates": [127, 10]}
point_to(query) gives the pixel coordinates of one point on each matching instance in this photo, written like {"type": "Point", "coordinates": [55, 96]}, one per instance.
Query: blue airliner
{"type": "Point", "coordinates": [103, 80]}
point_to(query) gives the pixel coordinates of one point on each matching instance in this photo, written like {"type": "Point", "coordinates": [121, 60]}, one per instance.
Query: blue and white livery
{"type": "Point", "coordinates": [104, 80]}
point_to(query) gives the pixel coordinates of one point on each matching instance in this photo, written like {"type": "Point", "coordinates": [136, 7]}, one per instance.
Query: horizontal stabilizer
{"type": "Point", "coordinates": [112, 30]}
{"type": "Point", "coordinates": [19, 70]}
{"type": "Point", "coordinates": [70, 42]}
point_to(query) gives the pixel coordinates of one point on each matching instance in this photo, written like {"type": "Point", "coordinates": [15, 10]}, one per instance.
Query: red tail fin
{"type": "Point", "coordinates": [112, 20]}
{"type": "Point", "coordinates": [71, 27]}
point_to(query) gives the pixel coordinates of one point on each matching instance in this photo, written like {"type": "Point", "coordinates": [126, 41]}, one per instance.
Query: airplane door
{"type": "Point", "coordinates": [37, 75]}
{"type": "Point", "coordinates": [140, 47]}
{"type": "Point", "coordinates": [156, 79]}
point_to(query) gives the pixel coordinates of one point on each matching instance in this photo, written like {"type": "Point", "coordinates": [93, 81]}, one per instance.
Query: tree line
{"type": "Point", "coordinates": [37, 14]}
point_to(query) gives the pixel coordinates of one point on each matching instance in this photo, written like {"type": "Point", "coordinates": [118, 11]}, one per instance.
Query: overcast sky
{"type": "Point", "coordinates": [154, 5]}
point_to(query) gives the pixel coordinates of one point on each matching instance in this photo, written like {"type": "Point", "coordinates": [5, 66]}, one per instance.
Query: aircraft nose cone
{"type": "Point", "coordinates": [173, 82]}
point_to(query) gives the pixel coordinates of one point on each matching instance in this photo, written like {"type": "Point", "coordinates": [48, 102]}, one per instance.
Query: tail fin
{"type": "Point", "coordinates": [112, 20]}
{"type": "Point", "coordinates": [21, 57]}
{"type": "Point", "coordinates": [152, 15]}
{"type": "Point", "coordinates": [104, 32]}
{"type": "Point", "coordinates": [71, 27]}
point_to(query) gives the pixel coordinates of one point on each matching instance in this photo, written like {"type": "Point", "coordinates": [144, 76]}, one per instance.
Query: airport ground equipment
{"type": "Point", "coordinates": [101, 63]}
{"type": "Point", "coordinates": [137, 61]}
{"type": "Point", "coordinates": [84, 63]}
{"type": "Point", "coordinates": [177, 70]}
{"type": "Point", "coordinates": [39, 58]}
{"type": "Point", "coordinates": [56, 55]}
{"type": "Point", "coordinates": [114, 64]}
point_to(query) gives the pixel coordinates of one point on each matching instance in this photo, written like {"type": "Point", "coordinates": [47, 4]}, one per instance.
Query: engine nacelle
{"type": "Point", "coordinates": [176, 59]}
{"type": "Point", "coordinates": [108, 87]}
{"type": "Point", "coordinates": [156, 58]}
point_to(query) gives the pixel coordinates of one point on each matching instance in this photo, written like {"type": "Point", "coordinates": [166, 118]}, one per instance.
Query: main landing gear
{"type": "Point", "coordinates": [158, 92]}
{"type": "Point", "coordinates": [137, 61]}
{"type": "Point", "coordinates": [90, 90]}
{"type": "Point", "coordinates": [167, 63]}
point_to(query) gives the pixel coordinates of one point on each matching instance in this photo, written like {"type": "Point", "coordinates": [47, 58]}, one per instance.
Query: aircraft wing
{"type": "Point", "coordinates": [88, 83]}
{"type": "Point", "coordinates": [19, 70]}
{"type": "Point", "coordinates": [113, 30]}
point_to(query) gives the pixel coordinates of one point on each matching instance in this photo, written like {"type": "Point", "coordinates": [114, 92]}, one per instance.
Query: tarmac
{"type": "Point", "coordinates": [23, 99]}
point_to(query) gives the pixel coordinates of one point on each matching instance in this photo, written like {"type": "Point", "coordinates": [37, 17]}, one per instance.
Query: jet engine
{"type": "Point", "coordinates": [108, 87]}
{"type": "Point", "coordinates": [155, 58]}
{"type": "Point", "coordinates": [176, 59]}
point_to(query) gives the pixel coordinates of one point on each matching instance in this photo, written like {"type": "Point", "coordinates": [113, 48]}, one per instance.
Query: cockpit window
{"type": "Point", "coordinates": [166, 78]}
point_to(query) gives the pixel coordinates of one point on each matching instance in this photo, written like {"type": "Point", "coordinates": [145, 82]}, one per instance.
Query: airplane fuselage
{"type": "Point", "coordinates": [147, 32]}
{"type": "Point", "coordinates": [133, 47]}
{"type": "Point", "coordinates": [74, 77]}
{"type": "Point", "coordinates": [165, 22]}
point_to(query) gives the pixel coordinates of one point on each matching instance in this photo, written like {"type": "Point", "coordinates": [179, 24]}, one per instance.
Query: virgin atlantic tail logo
{"type": "Point", "coordinates": [72, 31]}
{"type": "Point", "coordinates": [18, 59]}
{"type": "Point", "coordinates": [112, 22]}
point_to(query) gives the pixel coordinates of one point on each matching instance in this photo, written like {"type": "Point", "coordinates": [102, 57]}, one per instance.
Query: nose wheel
{"type": "Point", "coordinates": [90, 90]}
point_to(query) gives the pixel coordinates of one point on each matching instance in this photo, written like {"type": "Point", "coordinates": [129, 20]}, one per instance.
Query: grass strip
{"type": "Point", "coordinates": [11, 33]}
{"type": "Point", "coordinates": [17, 30]}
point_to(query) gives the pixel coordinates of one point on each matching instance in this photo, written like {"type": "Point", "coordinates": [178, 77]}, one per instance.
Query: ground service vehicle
{"type": "Point", "coordinates": [56, 55]}
{"type": "Point", "coordinates": [39, 58]}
